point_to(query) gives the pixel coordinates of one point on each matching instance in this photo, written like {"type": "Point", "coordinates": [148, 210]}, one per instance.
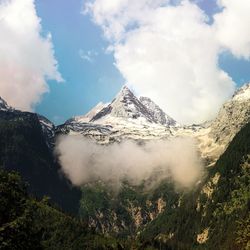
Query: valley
{"type": "Point", "coordinates": [147, 216]}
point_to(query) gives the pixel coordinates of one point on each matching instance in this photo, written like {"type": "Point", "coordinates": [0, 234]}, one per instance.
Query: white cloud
{"type": "Point", "coordinates": [116, 16]}
{"type": "Point", "coordinates": [26, 58]}
{"type": "Point", "coordinates": [88, 55]}
{"type": "Point", "coordinates": [232, 27]}
{"type": "Point", "coordinates": [166, 52]}
{"type": "Point", "coordinates": [84, 161]}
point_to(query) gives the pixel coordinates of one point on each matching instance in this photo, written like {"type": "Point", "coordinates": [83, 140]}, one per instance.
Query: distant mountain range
{"type": "Point", "coordinates": [129, 117]}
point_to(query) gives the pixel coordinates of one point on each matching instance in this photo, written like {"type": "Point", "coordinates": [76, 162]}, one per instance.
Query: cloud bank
{"type": "Point", "coordinates": [26, 57]}
{"type": "Point", "coordinates": [170, 52]}
{"type": "Point", "coordinates": [84, 161]}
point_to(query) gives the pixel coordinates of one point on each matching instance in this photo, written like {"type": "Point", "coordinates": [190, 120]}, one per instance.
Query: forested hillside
{"type": "Point", "coordinates": [23, 148]}
{"type": "Point", "coordinates": [217, 214]}
{"type": "Point", "coordinates": [213, 215]}
{"type": "Point", "coordinates": [26, 223]}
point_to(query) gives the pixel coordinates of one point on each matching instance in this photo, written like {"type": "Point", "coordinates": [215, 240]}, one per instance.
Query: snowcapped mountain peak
{"type": "Point", "coordinates": [96, 109]}
{"type": "Point", "coordinates": [126, 106]}
{"type": "Point", "coordinates": [88, 116]}
{"type": "Point", "coordinates": [124, 90]}
{"type": "Point", "coordinates": [243, 93]}
{"type": "Point", "coordinates": [125, 110]}
{"type": "Point", "coordinates": [3, 105]}
{"type": "Point", "coordinates": [125, 117]}
{"type": "Point", "coordinates": [125, 95]}
{"type": "Point", "coordinates": [158, 114]}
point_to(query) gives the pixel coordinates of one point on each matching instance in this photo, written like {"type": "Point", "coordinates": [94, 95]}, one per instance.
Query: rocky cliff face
{"type": "Point", "coordinates": [48, 127]}
{"type": "Point", "coordinates": [126, 212]}
{"type": "Point", "coordinates": [157, 113]}
{"type": "Point", "coordinates": [234, 114]}
{"type": "Point", "coordinates": [26, 141]}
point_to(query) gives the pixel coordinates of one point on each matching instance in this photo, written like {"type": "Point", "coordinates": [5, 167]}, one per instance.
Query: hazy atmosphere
{"type": "Point", "coordinates": [129, 161]}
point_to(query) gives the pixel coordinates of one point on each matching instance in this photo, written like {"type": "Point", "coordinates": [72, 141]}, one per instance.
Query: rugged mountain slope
{"type": "Point", "coordinates": [25, 147]}
{"type": "Point", "coordinates": [47, 126]}
{"type": "Point", "coordinates": [213, 215]}
{"type": "Point", "coordinates": [234, 114]}
{"type": "Point", "coordinates": [87, 117]}
{"type": "Point", "coordinates": [216, 215]}
{"type": "Point", "coordinates": [141, 119]}
{"type": "Point", "coordinates": [157, 113]}
{"type": "Point", "coordinates": [164, 216]}
{"type": "Point", "coordinates": [48, 130]}
{"type": "Point", "coordinates": [126, 106]}
{"type": "Point", "coordinates": [227, 196]}
{"type": "Point", "coordinates": [127, 212]}
{"type": "Point", "coordinates": [126, 117]}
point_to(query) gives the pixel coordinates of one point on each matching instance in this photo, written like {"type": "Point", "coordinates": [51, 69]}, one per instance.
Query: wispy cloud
{"type": "Point", "coordinates": [88, 56]}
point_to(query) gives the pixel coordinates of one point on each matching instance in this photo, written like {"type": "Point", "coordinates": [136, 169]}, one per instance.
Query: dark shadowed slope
{"type": "Point", "coordinates": [24, 148]}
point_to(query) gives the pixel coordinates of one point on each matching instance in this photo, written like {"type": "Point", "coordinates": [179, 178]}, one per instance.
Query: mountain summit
{"type": "Point", "coordinates": [128, 107]}
{"type": "Point", "coordinates": [125, 105]}
{"type": "Point", "coordinates": [242, 93]}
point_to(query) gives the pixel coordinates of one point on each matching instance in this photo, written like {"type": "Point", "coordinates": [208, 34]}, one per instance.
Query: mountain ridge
{"type": "Point", "coordinates": [108, 126]}
{"type": "Point", "coordinates": [126, 105]}
{"type": "Point", "coordinates": [157, 113]}
{"type": "Point", "coordinates": [129, 117]}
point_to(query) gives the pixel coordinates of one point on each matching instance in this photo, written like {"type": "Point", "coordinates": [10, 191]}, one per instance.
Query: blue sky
{"type": "Point", "coordinates": [88, 82]}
